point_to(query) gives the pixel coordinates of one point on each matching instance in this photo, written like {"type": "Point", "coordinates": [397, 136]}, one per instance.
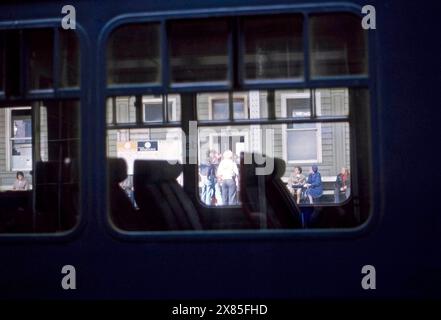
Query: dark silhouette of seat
{"type": "Point", "coordinates": [16, 211]}
{"type": "Point", "coordinates": [265, 196]}
{"type": "Point", "coordinates": [56, 195]}
{"type": "Point", "coordinates": [122, 213]}
{"type": "Point", "coordinates": [161, 198]}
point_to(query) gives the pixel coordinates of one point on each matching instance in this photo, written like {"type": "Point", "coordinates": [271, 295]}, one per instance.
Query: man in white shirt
{"type": "Point", "coordinates": [227, 173]}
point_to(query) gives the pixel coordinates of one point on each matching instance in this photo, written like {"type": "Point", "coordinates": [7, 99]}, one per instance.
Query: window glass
{"type": "Point", "coordinates": [297, 143]}
{"type": "Point", "coordinates": [317, 171]}
{"type": "Point", "coordinates": [11, 64]}
{"type": "Point", "coordinates": [337, 45]}
{"type": "Point", "coordinates": [333, 102]}
{"type": "Point", "coordinates": [311, 135]}
{"type": "Point", "coordinates": [124, 147]}
{"type": "Point", "coordinates": [122, 110]}
{"type": "Point", "coordinates": [2, 61]}
{"type": "Point", "coordinates": [70, 59]}
{"type": "Point", "coordinates": [246, 105]}
{"type": "Point", "coordinates": [302, 143]}
{"type": "Point", "coordinates": [21, 139]}
{"type": "Point", "coordinates": [152, 144]}
{"type": "Point", "coordinates": [40, 58]}
{"type": "Point", "coordinates": [326, 145]}
{"type": "Point", "coordinates": [297, 103]}
{"type": "Point", "coordinates": [198, 50]}
{"type": "Point", "coordinates": [39, 181]}
{"type": "Point", "coordinates": [174, 107]}
{"type": "Point", "coordinates": [298, 108]}
{"type": "Point", "coordinates": [153, 111]}
{"type": "Point", "coordinates": [273, 47]}
{"type": "Point", "coordinates": [220, 109]}
{"type": "Point", "coordinates": [133, 54]}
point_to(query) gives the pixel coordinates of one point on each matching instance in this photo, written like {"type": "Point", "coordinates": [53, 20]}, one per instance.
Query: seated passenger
{"type": "Point", "coordinates": [20, 183]}
{"type": "Point", "coordinates": [314, 187]}
{"type": "Point", "coordinates": [342, 185]}
{"type": "Point", "coordinates": [296, 183]}
{"type": "Point", "coordinates": [127, 186]}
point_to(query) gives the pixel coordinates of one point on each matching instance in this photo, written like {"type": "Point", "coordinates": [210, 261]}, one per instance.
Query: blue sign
{"type": "Point", "coordinates": [147, 146]}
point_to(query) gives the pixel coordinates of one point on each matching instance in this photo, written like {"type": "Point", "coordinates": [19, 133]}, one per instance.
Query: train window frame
{"type": "Point", "coordinates": [59, 92]}
{"type": "Point", "coordinates": [365, 81]}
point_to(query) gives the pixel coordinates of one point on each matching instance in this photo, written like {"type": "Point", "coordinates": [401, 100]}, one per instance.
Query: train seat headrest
{"type": "Point", "coordinates": [278, 165]}
{"type": "Point", "coordinates": [117, 169]}
{"type": "Point", "coordinates": [153, 171]}
{"type": "Point", "coordinates": [279, 168]}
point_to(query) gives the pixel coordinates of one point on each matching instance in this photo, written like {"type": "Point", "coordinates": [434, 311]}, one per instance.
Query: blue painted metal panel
{"type": "Point", "coordinates": [403, 244]}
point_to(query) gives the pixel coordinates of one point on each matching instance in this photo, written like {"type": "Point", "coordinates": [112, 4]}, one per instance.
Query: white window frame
{"type": "Point", "coordinates": [8, 138]}
{"type": "Point", "coordinates": [160, 100]}
{"type": "Point", "coordinates": [214, 97]}
{"type": "Point", "coordinates": [224, 133]}
{"type": "Point", "coordinates": [301, 95]}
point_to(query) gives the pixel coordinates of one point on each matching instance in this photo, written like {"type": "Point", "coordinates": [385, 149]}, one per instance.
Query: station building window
{"type": "Point", "coordinates": [20, 137]}
{"type": "Point", "coordinates": [303, 141]}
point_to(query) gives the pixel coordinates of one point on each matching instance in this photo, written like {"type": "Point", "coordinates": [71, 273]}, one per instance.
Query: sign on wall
{"type": "Point", "coordinates": [147, 146]}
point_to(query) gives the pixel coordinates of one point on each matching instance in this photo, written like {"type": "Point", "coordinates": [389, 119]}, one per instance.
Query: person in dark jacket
{"type": "Point", "coordinates": [314, 185]}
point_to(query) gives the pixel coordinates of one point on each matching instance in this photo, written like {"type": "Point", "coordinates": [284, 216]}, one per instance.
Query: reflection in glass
{"type": "Point", "coordinates": [302, 142]}
{"type": "Point", "coordinates": [333, 102]}
{"type": "Point", "coordinates": [21, 139]}
{"type": "Point", "coordinates": [220, 109]}
{"type": "Point", "coordinates": [153, 111]}
{"type": "Point", "coordinates": [337, 45]}
{"type": "Point", "coordinates": [198, 50]}
{"type": "Point", "coordinates": [122, 110]}
{"type": "Point", "coordinates": [2, 61]}
{"type": "Point", "coordinates": [216, 106]}
{"type": "Point", "coordinates": [43, 143]}
{"type": "Point", "coordinates": [133, 54]}
{"type": "Point", "coordinates": [273, 47]}
{"type": "Point", "coordinates": [299, 145]}
{"type": "Point", "coordinates": [40, 58]}
{"type": "Point", "coordinates": [148, 143]}
{"type": "Point", "coordinates": [298, 108]}
{"type": "Point", "coordinates": [70, 59]}
{"type": "Point", "coordinates": [297, 103]}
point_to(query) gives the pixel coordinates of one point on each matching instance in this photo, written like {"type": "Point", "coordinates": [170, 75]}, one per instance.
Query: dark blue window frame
{"type": "Point", "coordinates": [363, 81]}
{"type": "Point", "coordinates": [80, 93]}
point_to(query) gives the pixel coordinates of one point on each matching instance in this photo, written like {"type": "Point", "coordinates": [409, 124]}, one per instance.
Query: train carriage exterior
{"type": "Point", "coordinates": [107, 131]}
